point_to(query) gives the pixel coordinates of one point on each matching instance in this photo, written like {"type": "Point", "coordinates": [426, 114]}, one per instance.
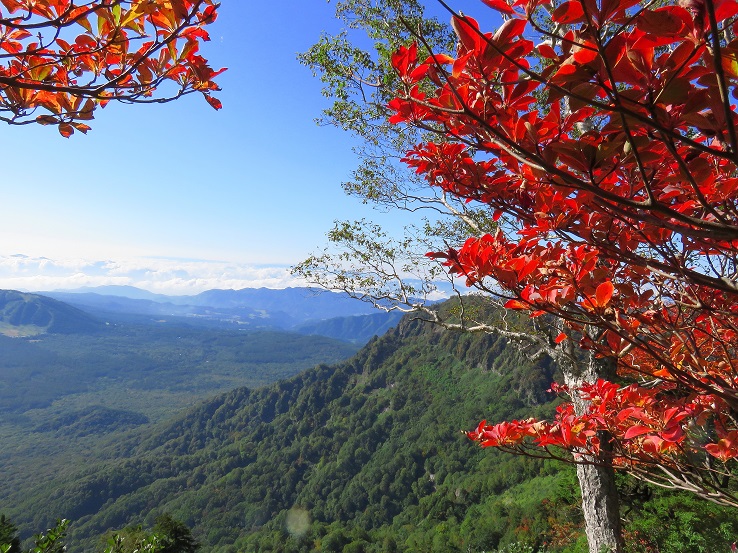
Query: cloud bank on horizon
{"type": "Point", "coordinates": [158, 275]}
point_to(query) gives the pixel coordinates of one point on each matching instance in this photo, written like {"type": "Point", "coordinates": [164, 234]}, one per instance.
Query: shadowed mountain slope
{"type": "Point", "coordinates": [24, 314]}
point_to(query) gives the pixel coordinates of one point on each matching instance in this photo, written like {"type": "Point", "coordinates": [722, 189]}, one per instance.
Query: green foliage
{"type": "Point", "coordinates": [133, 540]}
{"type": "Point", "coordinates": [519, 548]}
{"type": "Point", "coordinates": [670, 523]}
{"type": "Point", "coordinates": [53, 540]}
{"type": "Point", "coordinates": [176, 537]}
{"type": "Point", "coordinates": [360, 80]}
{"type": "Point", "coordinates": [372, 444]}
{"type": "Point", "coordinates": [66, 400]}
{"type": "Point", "coordinates": [167, 536]}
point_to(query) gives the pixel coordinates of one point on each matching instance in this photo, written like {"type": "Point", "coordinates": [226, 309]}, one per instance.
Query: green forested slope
{"type": "Point", "coordinates": [64, 397]}
{"type": "Point", "coordinates": [151, 360]}
{"type": "Point", "coordinates": [358, 444]}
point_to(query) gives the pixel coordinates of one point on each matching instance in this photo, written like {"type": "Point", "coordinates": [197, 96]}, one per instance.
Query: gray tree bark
{"type": "Point", "coordinates": [600, 501]}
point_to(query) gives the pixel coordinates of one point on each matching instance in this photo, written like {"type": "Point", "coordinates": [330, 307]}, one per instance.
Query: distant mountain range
{"type": "Point", "coordinates": [303, 310]}
{"type": "Point", "coordinates": [358, 329]}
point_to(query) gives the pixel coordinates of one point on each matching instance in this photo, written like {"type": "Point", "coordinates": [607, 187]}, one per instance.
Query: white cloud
{"type": "Point", "coordinates": [159, 275]}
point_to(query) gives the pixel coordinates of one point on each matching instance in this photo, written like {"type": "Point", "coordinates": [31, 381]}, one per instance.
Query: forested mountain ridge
{"type": "Point", "coordinates": [364, 456]}
{"type": "Point", "coordinates": [135, 364]}
{"type": "Point", "coordinates": [64, 396]}
{"type": "Point", "coordinates": [356, 445]}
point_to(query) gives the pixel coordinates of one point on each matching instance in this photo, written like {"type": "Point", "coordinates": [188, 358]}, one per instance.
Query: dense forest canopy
{"type": "Point", "coordinates": [365, 454]}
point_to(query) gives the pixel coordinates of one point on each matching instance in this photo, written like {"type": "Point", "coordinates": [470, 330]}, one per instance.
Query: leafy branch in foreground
{"type": "Point", "coordinates": [64, 59]}
{"type": "Point", "coordinates": [50, 542]}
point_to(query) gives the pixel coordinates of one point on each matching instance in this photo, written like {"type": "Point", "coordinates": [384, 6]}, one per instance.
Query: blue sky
{"type": "Point", "coordinates": [178, 197]}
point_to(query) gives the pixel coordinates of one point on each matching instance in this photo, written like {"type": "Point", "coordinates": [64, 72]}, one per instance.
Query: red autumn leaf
{"type": "Point", "coordinates": [217, 104]}
{"type": "Point", "coordinates": [47, 120]}
{"type": "Point", "coordinates": [635, 431]}
{"type": "Point", "coordinates": [674, 433]}
{"type": "Point", "coordinates": [179, 9]}
{"type": "Point", "coordinates": [725, 9]}
{"type": "Point", "coordinates": [585, 52]}
{"type": "Point", "coordinates": [568, 12]}
{"type": "Point", "coordinates": [81, 127]}
{"type": "Point", "coordinates": [508, 30]}
{"type": "Point", "coordinates": [467, 30]}
{"type": "Point", "coordinates": [500, 6]}
{"type": "Point", "coordinates": [405, 58]}
{"type": "Point", "coordinates": [604, 293]}
{"type": "Point", "coordinates": [724, 450]}
{"type": "Point", "coordinates": [516, 304]}
{"type": "Point", "coordinates": [668, 21]}
{"type": "Point", "coordinates": [547, 51]}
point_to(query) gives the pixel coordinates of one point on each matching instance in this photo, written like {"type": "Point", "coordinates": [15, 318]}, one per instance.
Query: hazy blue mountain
{"type": "Point", "coordinates": [117, 290]}
{"type": "Point", "coordinates": [248, 308]}
{"type": "Point", "coordinates": [23, 314]}
{"type": "Point", "coordinates": [358, 329]}
{"type": "Point", "coordinates": [301, 303]}
{"type": "Point", "coordinates": [110, 306]}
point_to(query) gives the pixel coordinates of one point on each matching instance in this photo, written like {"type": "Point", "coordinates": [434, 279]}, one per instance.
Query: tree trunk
{"type": "Point", "coordinates": [600, 502]}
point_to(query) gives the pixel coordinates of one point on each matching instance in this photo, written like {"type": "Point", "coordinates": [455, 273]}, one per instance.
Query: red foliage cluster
{"type": "Point", "coordinates": [608, 154]}
{"type": "Point", "coordinates": [648, 426]}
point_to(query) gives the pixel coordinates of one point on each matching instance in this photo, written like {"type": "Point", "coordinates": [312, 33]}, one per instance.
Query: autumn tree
{"type": "Point", "coordinates": [395, 273]}
{"type": "Point", "coordinates": [60, 60]}
{"type": "Point", "coordinates": [599, 139]}
{"type": "Point", "coordinates": [622, 207]}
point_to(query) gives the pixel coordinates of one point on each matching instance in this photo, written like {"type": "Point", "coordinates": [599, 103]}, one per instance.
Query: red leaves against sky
{"type": "Point", "coordinates": [609, 156]}
{"type": "Point", "coordinates": [61, 60]}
